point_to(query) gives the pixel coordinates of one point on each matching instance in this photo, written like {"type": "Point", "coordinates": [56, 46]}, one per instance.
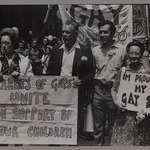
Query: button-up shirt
{"type": "Point", "coordinates": [67, 61]}
{"type": "Point", "coordinates": [108, 63]}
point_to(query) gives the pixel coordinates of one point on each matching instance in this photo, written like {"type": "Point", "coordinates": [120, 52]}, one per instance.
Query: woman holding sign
{"type": "Point", "coordinates": [129, 125]}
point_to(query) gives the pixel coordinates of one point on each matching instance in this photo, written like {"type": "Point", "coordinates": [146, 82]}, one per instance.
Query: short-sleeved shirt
{"type": "Point", "coordinates": [108, 65]}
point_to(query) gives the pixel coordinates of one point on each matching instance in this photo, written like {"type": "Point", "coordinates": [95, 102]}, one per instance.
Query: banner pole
{"type": "Point", "coordinates": [147, 20]}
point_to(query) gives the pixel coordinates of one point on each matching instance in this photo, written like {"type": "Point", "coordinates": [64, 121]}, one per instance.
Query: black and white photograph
{"type": "Point", "coordinates": [75, 75]}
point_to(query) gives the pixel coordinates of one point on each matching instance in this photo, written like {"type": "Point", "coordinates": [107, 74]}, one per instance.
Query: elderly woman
{"type": "Point", "coordinates": [128, 128]}
{"type": "Point", "coordinates": [12, 63]}
{"type": "Point", "coordinates": [22, 48]}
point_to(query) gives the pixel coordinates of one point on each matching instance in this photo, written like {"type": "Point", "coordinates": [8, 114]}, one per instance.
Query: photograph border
{"type": "Point", "coordinates": [39, 2]}
{"type": "Point", "coordinates": [42, 2]}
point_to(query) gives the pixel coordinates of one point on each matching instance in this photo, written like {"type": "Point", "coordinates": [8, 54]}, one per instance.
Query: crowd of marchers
{"type": "Point", "coordinates": [98, 70]}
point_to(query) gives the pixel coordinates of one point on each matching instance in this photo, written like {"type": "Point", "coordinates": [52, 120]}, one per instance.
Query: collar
{"type": "Point", "coordinates": [114, 45]}
{"type": "Point", "coordinates": [15, 56]}
{"type": "Point", "coordinates": [76, 45]}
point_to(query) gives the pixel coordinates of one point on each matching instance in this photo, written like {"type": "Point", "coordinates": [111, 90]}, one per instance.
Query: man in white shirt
{"type": "Point", "coordinates": [73, 59]}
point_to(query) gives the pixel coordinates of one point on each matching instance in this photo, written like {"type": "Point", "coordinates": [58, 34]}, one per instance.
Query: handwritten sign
{"type": "Point", "coordinates": [39, 110]}
{"type": "Point", "coordinates": [90, 15]}
{"type": "Point", "coordinates": [134, 91]}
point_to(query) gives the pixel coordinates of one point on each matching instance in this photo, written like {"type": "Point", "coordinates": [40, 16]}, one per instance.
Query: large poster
{"type": "Point", "coordinates": [39, 110]}
{"type": "Point", "coordinates": [134, 91]}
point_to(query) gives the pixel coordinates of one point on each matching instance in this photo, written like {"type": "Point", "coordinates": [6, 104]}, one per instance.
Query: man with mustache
{"type": "Point", "coordinates": [109, 58]}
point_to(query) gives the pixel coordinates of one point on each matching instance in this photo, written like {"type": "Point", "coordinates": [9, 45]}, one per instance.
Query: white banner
{"type": "Point", "coordinates": [40, 110]}
{"type": "Point", "coordinates": [134, 91]}
{"type": "Point", "coordinates": [88, 16]}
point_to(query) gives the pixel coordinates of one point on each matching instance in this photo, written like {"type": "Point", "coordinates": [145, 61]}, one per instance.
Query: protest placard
{"type": "Point", "coordinates": [39, 110]}
{"type": "Point", "coordinates": [134, 91]}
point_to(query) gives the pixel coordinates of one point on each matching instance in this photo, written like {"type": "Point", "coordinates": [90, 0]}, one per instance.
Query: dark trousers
{"type": "Point", "coordinates": [83, 101]}
{"type": "Point", "coordinates": [37, 68]}
{"type": "Point", "coordinates": [103, 110]}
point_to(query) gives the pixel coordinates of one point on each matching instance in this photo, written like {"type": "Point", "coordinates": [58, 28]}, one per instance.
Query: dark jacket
{"type": "Point", "coordinates": [82, 68]}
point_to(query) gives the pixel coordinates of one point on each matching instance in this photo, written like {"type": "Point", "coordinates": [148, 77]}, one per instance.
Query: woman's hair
{"type": "Point", "coordinates": [138, 44]}
{"type": "Point", "coordinates": [11, 33]}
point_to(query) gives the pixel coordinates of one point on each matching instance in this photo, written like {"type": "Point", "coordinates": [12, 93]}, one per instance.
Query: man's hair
{"type": "Point", "coordinates": [138, 44]}
{"type": "Point", "coordinates": [73, 24]}
{"type": "Point", "coordinates": [11, 33]}
{"type": "Point", "coordinates": [107, 22]}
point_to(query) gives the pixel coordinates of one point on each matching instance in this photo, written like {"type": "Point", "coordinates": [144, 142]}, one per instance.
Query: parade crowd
{"type": "Point", "coordinates": [98, 69]}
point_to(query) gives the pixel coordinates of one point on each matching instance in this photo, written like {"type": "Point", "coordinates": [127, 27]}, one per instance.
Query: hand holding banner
{"type": "Point", "coordinates": [40, 110]}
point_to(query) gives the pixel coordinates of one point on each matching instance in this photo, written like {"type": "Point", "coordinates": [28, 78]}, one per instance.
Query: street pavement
{"type": "Point", "coordinates": [84, 142]}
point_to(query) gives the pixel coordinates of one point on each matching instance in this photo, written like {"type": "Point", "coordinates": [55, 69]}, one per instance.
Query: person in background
{"type": "Point", "coordinates": [146, 55]}
{"type": "Point", "coordinates": [73, 59]}
{"type": "Point", "coordinates": [45, 58]}
{"type": "Point", "coordinates": [54, 41]}
{"type": "Point", "coordinates": [22, 48]}
{"type": "Point", "coordinates": [29, 38]}
{"type": "Point", "coordinates": [16, 30]}
{"type": "Point", "coordinates": [50, 38]}
{"type": "Point", "coordinates": [129, 128]}
{"type": "Point", "coordinates": [109, 58]}
{"type": "Point", "coordinates": [35, 55]}
{"type": "Point", "coordinates": [45, 44]}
